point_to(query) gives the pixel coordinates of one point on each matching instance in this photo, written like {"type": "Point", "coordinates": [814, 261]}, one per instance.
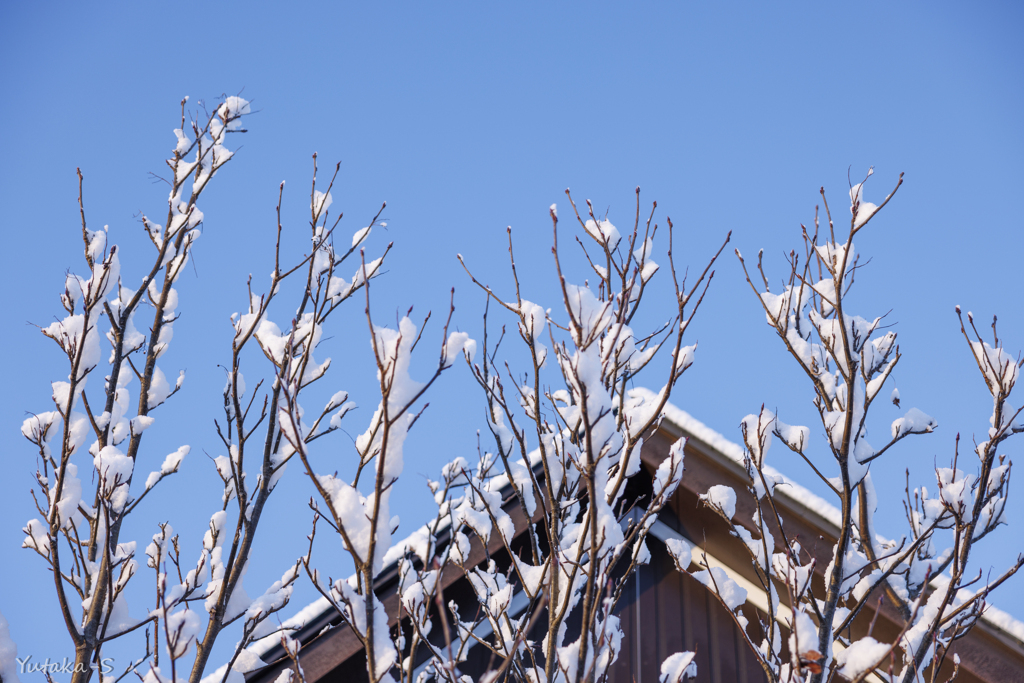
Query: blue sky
{"type": "Point", "coordinates": [467, 119]}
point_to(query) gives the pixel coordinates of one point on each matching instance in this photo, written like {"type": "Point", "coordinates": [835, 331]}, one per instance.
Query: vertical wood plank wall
{"type": "Point", "coordinates": [664, 612]}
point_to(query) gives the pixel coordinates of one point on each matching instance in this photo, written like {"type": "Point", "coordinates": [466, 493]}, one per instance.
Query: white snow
{"type": "Point", "coordinates": [681, 552]}
{"type": "Point", "coordinates": [670, 471]}
{"type": "Point", "coordinates": [247, 661]}
{"type": "Point", "coordinates": [71, 495]}
{"type": "Point", "coordinates": [1004, 621]}
{"type": "Point", "coordinates": [718, 581]}
{"type": "Point", "coordinates": [348, 504]}
{"type": "Point", "coordinates": [115, 469]}
{"type": "Point", "coordinates": [72, 333]}
{"type": "Point", "coordinates": [159, 389]}
{"type": "Point", "coordinates": [339, 398]}
{"type": "Point", "coordinates": [37, 538]}
{"type": "Point", "coordinates": [356, 614]}
{"type": "Point", "coordinates": [914, 422]}
{"type": "Point", "coordinates": [321, 202]}
{"type": "Point", "coordinates": [8, 654]}
{"type": "Point", "coordinates": [603, 232]}
{"type": "Point", "coordinates": [796, 493]}
{"type": "Point", "coordinates": [274, 598]}
{"type": "Point", "coordinates": [795, 437]}
{"type": "Point", "coordinates": [169, 466]}
{"type": "Point", "coordinates": [998, 365]}
{"type": "Point", "coordinates": [803, 638]}
{"type": "Point", "coordinates": [861, 209]}
{"type": "Point", "coordinates": [535, 317]}
{"type": "Point", "coordinates": [722, 498]}
{"type": "Point", "coordinates": [232, 110]}
{"type": "Point", "coordinates": [458, 343]}
{"type": "Point", "coordinates": [141, 423]}
{"type": "Point", "coordinates": [861, 656]}
{"type": "Point", "coordinates": [678, 666]}
{"type": "Point", "coordinates": [733, 451]}
{"type": "Point", "coordinates": [833, 255]}
{"type": "Point", "coordinates": [338, 416]}
{"type": "Point", "coordinates": [361, 235]}
{"type": "Point", "coordinates": [732, 592]}
{"type": "Point", "coordinates": [40, 429]}
{"type": "Point", "coordinates": [184, 626]}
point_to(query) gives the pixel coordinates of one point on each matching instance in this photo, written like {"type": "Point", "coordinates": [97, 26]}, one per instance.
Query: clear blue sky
{"type": "Point", "coordinates": [467, 119]}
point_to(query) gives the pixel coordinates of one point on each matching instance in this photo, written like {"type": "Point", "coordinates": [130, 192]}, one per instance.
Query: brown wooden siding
{"type": "Point", "coordinates": [664, 612]}
{"type": "Point", "coordinates": [986, 653]}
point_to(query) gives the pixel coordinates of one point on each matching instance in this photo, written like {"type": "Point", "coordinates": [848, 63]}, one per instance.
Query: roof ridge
{"type": "Point", "coordinates": [798, 494]}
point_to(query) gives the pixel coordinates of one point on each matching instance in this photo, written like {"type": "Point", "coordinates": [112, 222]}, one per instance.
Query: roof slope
{"type": "Point", "coordinates": [315, 616]}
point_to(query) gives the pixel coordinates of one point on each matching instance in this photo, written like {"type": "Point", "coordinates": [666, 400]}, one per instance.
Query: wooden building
{"type": "Point", "coordinates": [662, 610]}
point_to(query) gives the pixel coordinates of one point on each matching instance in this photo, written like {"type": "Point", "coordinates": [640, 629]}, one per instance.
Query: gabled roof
{"type": "Point", "coordinates": [812, 506]}
{"type": "Point", "coordinates": [719, 460]}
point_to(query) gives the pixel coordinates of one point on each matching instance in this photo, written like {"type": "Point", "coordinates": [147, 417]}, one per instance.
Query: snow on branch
{"type": "Point", "coordinates": [79, 532]}
{"type": "Point", "coordinates": [847, 359]}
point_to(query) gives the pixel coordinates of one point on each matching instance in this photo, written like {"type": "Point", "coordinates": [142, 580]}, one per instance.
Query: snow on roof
{"type": "Point", "coordinates": [1003, 621]}
{"type": "Point", "coordinates": [697, 429]}
{"type": "Point", "coordinates": [680, 418]}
